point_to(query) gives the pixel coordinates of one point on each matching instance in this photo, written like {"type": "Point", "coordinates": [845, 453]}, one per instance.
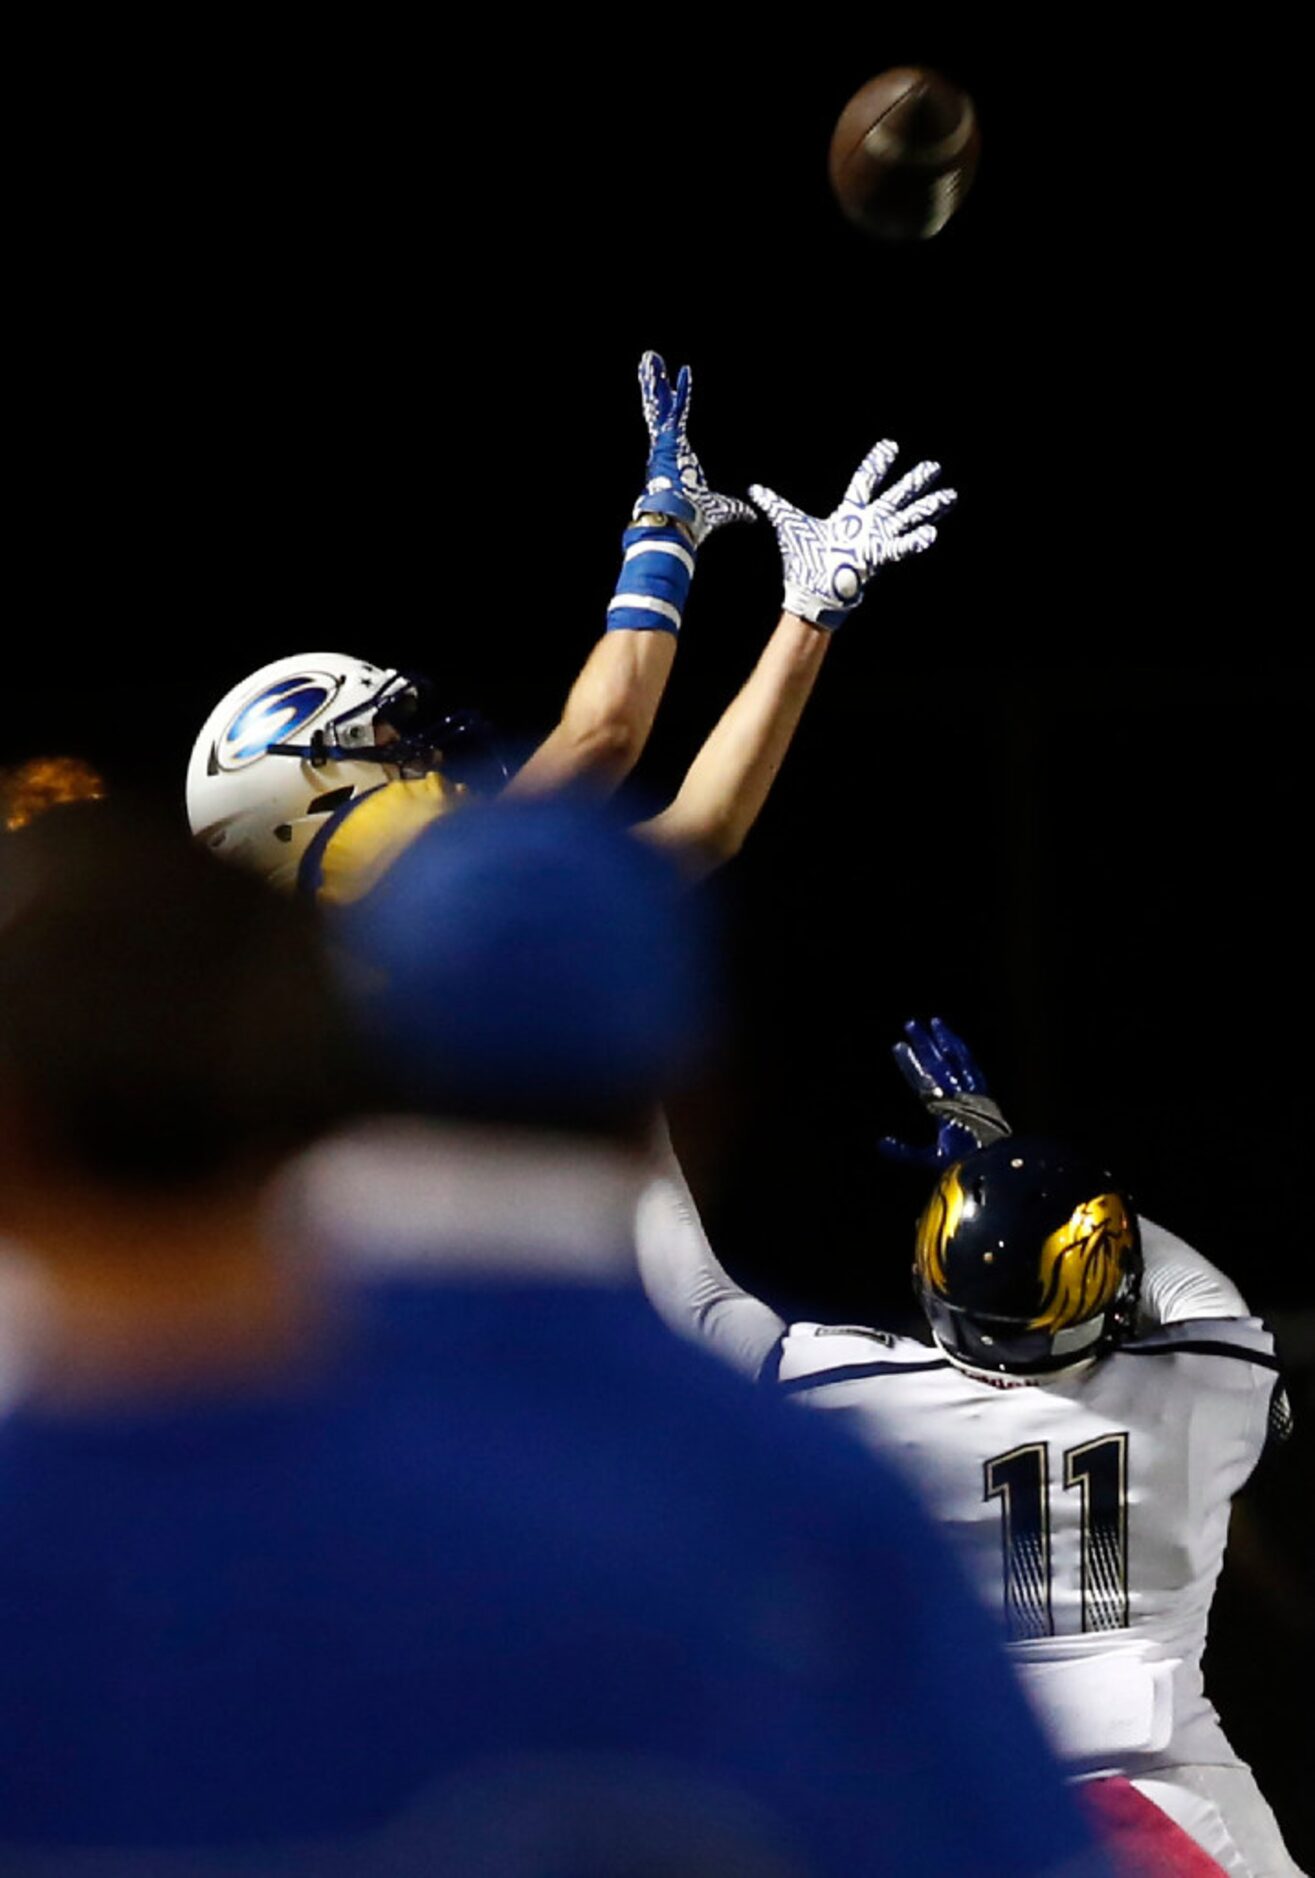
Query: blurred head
{"type": "Point", "coordinates": [299, 739]}
{"type": "Point", "coordinates": [166, 1025]}
{"type": "Point", "coordinates": [1028, 1257]}
{"type": "Point", "coordinates": [529, 963]}
{"type": "Point", "coordinates": [43, 783]}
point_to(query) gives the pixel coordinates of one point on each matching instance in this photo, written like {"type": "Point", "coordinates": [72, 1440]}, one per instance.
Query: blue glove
{"type": "Point", "coordinates": [676, 485]}
{"type": "Point", "coordinates": [946, 1078]}
{"type": "Point", "coordinates": [675, 514]}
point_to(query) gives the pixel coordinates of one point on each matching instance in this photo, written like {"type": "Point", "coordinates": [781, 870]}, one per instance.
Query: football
{"type": "Point", "coordinates": [903, 153]}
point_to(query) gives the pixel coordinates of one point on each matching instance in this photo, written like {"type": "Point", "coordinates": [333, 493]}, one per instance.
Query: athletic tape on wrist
{"type": "Point", "coordinates": [654, 582]}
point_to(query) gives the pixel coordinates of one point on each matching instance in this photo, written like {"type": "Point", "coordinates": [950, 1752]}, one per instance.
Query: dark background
{"type": "Point", "coordinates": [330, 343]}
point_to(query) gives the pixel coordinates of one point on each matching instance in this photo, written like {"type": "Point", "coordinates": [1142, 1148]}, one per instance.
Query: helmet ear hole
{"type": "Point", "coordinates": [331, 801]}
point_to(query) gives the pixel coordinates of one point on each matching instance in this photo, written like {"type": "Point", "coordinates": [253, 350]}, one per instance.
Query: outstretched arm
{"type": "Point", "coordinates": [827, 562]}
{"type": "Point", "coordinates": [685, 1284]}
{"type": "Point", "coordinates": [611, 707]}
{"type": "Point", "coordinates": [730, 778]}
{"type": "Point", "coordinates": [608, 715]}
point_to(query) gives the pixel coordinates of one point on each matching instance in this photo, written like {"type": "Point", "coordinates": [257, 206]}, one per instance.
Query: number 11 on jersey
{"type": "Point", "coordinates": [1020, 1480]}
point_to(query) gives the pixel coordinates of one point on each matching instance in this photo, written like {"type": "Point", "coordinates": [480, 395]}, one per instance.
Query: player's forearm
{"type": "Point", "coordinates": [610, 711]}
{"type": "Point", "coordinates": [608, 715]}
{"type": "Point", "coordinates": [731, 777]}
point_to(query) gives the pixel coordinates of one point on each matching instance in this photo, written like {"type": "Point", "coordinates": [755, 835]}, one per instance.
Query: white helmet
{"type": "Point", "coordinates": [294, 742]}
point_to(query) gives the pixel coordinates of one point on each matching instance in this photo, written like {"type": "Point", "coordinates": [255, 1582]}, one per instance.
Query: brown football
{"type": "Point", "coordinates": [903, 153]}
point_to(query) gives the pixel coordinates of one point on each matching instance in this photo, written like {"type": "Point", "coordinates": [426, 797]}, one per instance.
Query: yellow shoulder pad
{"type": "Point", "coordinates": [376, 830]}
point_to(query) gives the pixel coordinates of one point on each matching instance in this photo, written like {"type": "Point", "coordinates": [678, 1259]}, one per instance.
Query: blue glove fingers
{"type": "Point", "coordinates": [648, 390]}
{"type": "Point", "coordinates": [960, 1070]}
{"type": "Point", "coordinates": [679, 414]}
{"type": "Point", "coordinates": [953, 1143]}
{"type": "Point", "coordinates": [919, 1063]}
{"type": "Point", "coordinates": [968, 1077]}
{"type": "Point", "coordinates": [655, 390]}
{"type": "Point", "coordinates": [929, 1050]}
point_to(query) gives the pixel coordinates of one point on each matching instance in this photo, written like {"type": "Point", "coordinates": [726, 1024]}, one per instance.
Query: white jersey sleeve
{"type": "Point", "coordinates": [1178, 1284]}
{"type": "Point", "coordinates": [686, 1285]}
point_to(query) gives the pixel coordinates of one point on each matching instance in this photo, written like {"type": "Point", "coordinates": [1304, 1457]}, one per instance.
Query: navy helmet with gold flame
{"type": "Point", "coordinates": [1028, 1257]}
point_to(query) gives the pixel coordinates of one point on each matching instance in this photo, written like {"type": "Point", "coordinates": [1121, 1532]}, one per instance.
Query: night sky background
{"type": "Point", "coordinates": [330, 344]}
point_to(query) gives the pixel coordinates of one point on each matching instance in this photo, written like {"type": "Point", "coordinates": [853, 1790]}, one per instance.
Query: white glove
{"type": "Point", "coordinates": [828, 560]}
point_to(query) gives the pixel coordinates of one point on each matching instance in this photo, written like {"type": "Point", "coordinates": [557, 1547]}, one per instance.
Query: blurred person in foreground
{"type": "Point", "coordinates": [478, 1570]}
{"type": "Point", "coordinates": [166, 1037]}
{"type": "Point", "coordinates": [28, 791]}
{"type": "Point", "coordinates": [684, 1630]}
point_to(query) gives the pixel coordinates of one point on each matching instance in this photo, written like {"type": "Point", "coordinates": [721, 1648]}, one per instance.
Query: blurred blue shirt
{"type": "Point", "coordinates": [517, 1555]}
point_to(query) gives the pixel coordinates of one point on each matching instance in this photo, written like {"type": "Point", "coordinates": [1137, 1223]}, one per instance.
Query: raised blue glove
{"type": "Point", "coordinates": [828, 560]}
{"type": "Point", "coordinates": [676, 485]}
{"type": "Point", "coordinates": [946, 1078]}
{"type": "Point", "coordinates": [675, 514]}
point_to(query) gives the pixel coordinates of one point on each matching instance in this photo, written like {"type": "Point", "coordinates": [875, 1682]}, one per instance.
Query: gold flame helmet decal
{"type": "Point", "coordinates": [1081, 1266]}
{"type": "Point", "coordinates": [1083, 1262]}
{"type": "Point", "coordinates": [938, 1225]}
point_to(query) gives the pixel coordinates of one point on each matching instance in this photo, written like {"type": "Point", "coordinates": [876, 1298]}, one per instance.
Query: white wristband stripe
{"type": "Point", "coordinates": [662, 547]}
{"type": "Point", "coordinates": [642, 603]}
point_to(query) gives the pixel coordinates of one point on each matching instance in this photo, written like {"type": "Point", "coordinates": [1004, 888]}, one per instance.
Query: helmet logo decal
{"type": "Point", "coordinates": [937, 1227]}
{"type": "Point", "coordinates": [276, 713]}
{"type": "Point", "coordinates": [1083, 1262]}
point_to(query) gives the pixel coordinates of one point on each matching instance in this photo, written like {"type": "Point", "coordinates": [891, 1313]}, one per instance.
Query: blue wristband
{"type": "Point", "coordinates": [654, 581]}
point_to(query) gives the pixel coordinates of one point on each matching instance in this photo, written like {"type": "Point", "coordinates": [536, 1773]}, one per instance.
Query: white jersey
{"type": "Point", "coordinates": [1090, 1506]}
